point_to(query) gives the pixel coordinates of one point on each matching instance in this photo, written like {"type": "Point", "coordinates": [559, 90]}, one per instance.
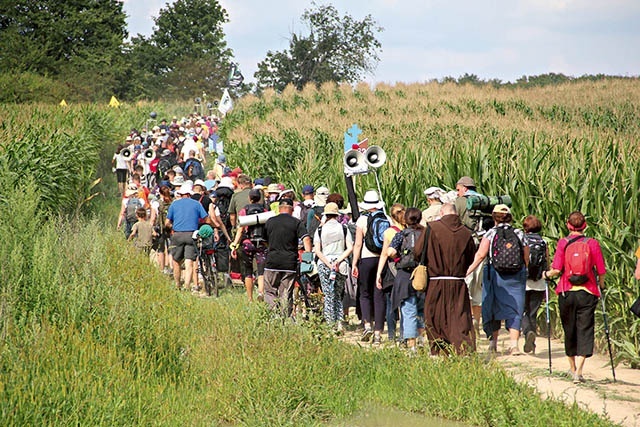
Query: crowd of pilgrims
{"type": "Point", "coordinates": [364, 256]}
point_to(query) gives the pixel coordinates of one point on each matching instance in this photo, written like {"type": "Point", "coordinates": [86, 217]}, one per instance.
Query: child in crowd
{"type": "Point", "coordinates": [142, 231]}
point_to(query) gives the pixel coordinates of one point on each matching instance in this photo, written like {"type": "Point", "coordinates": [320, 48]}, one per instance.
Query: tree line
{"type": "Point", "coordinates": [80, 50]}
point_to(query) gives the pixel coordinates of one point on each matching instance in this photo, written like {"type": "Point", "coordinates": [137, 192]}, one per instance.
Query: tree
{"type": "Point", "coordinates": [77, 42]}
{"type": "Point", "coordinates": [185, 55]}
{"type": "Point", "coordinates": [337, 49]}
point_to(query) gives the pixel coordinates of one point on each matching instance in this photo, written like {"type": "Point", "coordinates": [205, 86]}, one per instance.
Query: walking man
{"type": "Point", "coordinates": [282, 234]}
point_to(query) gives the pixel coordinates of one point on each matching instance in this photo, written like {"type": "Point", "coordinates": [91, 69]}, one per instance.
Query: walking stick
{"type": "Point", "coordinates": [546, 290]}
{"type": "Point", "coordinates": [606, 332]}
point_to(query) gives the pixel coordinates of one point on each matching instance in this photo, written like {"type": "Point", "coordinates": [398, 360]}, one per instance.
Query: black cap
{"type": "Point", "coordinates": [254, 193]}
{"type": "Point", "coordinates": [286, 202]}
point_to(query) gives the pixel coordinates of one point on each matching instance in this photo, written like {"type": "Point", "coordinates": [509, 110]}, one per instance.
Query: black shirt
{"type": "Point", "coordinates": [204, 200]}
{"type": "Point", "coordinates": [282, 232]}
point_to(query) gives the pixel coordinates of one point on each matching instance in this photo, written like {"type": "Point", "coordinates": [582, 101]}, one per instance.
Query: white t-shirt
{"type": "Point", "coordinates": [333, 240]}
{"type": "Point", "coordinates": [121, 163]}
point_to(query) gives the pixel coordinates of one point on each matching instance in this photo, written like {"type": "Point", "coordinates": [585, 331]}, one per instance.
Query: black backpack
{"type": "Point", "coordinates": [255, 233]}
{"type": "Point", "coordinates": [537, 256]}
{"type": "Point", "coordinates": [506, 251]}
{"type": "Point", "coordinates": [164, 165]}
{"type": "Point", "coordinates": [133, 203]}
{"type": "Point", "coordinates": [224, 200]}
{"type": "Point", "coordinates": [407, 259]}
{"type": "Point", "coordinates": [377, 223]}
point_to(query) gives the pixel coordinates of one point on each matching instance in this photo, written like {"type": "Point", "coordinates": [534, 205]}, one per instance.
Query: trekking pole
{"type": "Point", "coordinates": [548, 325]}
{"type": "Point", "coordinates": [606, 332]}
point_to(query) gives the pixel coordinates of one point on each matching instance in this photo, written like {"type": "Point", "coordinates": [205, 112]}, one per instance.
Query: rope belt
{"type": "Point", "coordinates": [446, 278]}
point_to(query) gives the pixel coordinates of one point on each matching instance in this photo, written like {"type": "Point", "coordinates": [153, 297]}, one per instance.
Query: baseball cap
{"type": "Point", "coordinates": [501, 209]}
{"type": "Point", "coordinates": [308, 189]}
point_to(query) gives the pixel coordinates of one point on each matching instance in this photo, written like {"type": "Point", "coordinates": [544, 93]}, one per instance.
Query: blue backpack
{"type": "Point", "coordinates": [377, 224]}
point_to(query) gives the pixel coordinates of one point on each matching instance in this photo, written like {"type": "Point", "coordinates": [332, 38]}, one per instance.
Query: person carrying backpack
{"type": "Point", "coordinates": [535, 288]}
{"type": "Point", "coordinates": [366, 253]}
{"type": "Point", "coordinates": [250, 244]}
{"type": "Point", "coordinates": [130, 203]}
{"type": "Point", "coordinates": [332, 245]}
{"type": "Point", "coordinates": [578, 259]}
{"type": "Point", "coordinates": [503, 278]}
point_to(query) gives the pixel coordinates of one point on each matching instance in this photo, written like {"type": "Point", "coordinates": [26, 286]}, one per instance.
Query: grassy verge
{"type": "Point", "coordinates": [94, 336]}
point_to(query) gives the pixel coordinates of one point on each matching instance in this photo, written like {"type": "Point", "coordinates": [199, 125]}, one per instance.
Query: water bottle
{"type": "Point", "coordinates": [332, 276]}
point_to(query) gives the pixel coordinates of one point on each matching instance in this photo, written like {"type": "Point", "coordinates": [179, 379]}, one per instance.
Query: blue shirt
{"type": "Point", "coordinates": [185, 214]}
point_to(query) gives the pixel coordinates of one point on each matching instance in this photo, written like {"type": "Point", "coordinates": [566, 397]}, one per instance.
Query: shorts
{"type": "Point", "coordinates": [121, 175]}
{"type": "Point", "coordinates": [182, 246]}
{"type": "Point", "coordinates": [246, 262]}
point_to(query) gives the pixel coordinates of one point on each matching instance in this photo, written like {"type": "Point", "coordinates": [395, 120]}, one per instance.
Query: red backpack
{"type": "Point", "coordinates": [577, 260]}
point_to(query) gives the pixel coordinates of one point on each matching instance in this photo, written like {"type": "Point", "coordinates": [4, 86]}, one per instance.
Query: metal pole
{"type": "Point", "coordinates": [606, 332]}
{"type": "Point", "coordinates": [548, 323]}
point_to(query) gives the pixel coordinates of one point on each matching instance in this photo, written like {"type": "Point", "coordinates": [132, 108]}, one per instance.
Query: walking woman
{"type": "Point", "coordinates": [332, 245]}
{"type": "Point", "coordinates": [503, 289]}
{"type": "Point", "coordinates": [577, 260]}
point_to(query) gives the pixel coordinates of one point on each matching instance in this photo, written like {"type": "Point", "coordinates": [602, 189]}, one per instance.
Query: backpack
{"type": "Point", "coordinates": [193, 169]}
{"type": "Point", "coordinates": [537, 256]}
{"type": "Point", "coordinates": [164, 165]}
{"type": "Point", "coordinates": [314, 222]}
{"type": "Point", "coordinates": [304, 213]}
{"type": "Point", "coordinates": [255, 233]}
{"type": "Point", "coordinates": [132, 205]}
{"type": "Point", "coordinates": [577, 260]}
{"type": "Point", "coordinates": [377, 223]}
{"type": "Point", "coordinates": [407, 260]}
{"type": "Point", "coordinates": [224, 200]}
{"type": "Point", "coordinates": [506, 251]}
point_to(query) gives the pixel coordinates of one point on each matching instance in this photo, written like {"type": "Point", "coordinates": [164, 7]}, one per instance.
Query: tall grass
{"type": "Point", "coordinates": [554, 150]}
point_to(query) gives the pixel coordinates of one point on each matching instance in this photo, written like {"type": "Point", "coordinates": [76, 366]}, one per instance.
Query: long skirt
{"type": "Point", "coordinates": [502, 299]}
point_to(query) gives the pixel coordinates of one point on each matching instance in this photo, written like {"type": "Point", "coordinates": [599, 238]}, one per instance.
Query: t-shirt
{"type": "Point", "coordinates": [121, 163]}
{"type": "Point", "coordinates": [333, 241]}
{"type": "Point", "coordinates": [282, 233]}
{"type": "Point", "coordinates": [185, 214]}
{"type": "Point", "coordinates": [596, 258]}
{"type": "Point", "coordinates": [144, 233]}
{"type": "Point", "coordinates": [239, 200]}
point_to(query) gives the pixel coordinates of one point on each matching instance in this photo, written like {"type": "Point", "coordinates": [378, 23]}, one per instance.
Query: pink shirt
{"type": "Point", "coordinates": [597, 261]}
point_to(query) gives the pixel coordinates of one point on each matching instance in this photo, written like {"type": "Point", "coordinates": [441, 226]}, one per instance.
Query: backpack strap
{"type": "Point", "coordinates": [575, 239]}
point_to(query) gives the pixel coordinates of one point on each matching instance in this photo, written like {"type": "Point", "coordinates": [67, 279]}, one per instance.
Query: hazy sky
{"type": "Point", "coordinates": [427, 39]}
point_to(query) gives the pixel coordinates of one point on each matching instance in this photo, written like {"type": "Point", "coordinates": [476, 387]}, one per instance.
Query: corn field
{"type": "Point", "coordinates": [553, 150]}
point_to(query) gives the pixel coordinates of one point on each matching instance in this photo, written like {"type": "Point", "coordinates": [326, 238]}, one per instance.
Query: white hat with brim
{"type": "Point", "coordinates": [178, 180]}
{"type": "Point", "coordinates": [347, 210]}
{"type": "Point", "coordinates": [371, 201]}
{"type": "Point", "coordinates": [186, 188]}
{"type": "Point", "coordinates": [226, 182]}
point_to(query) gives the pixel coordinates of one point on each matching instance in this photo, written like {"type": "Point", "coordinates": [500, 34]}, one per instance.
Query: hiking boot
{"type": "Point", "coordinates": [366, 335]}
{"type": "Point", "coordinates": [530, 342]}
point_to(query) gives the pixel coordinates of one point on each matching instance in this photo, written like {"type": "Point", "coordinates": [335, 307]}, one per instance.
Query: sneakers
{"type": "Point", "coordinates": [577, 379]}
{"type": "Point", "coordinates": [366, 335]}
{"type": "Point", "coordinates": [530, 342]}
{"type": "Point", "coordinates": [376, 340]}
{"type": "Point", "coordinates": [513, 351]}
{"type": "Point", "coordinates": [493, 347]}
{"type": "Point", "coordinates": [420, 341]}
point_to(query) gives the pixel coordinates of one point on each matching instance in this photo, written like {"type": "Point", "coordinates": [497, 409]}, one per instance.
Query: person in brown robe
{"type": "Point", "coordinates": [447, 308]}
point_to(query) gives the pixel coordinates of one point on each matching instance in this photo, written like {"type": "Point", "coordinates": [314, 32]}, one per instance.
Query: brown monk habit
{"type": "Point", "coordinates": [447, 309]}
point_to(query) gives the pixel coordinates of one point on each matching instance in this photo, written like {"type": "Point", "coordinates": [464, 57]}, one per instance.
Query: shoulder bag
{"type": "Point", "coordinates": [420, 275]}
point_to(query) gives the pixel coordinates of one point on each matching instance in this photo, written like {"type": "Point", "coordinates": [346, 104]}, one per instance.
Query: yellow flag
{"type": "Point", "coordinates": [114, 102]}
{"type": "Point", "coordinates": [63, 103]}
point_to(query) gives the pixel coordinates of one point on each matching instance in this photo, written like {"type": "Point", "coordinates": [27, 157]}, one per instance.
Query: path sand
{"type": "Point", "coordinates": [620, 401]}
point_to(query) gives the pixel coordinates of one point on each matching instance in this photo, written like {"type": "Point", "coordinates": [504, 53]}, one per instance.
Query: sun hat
{"type": "Point", "coordinates": [331, 209]}
{"type": "Point", "coordinates": [285, 191]}
{"type": "Point", "coordinates": [199, 182]}
{"type": "Point", "coordinates": [466, 181]}
{"type": "Point", "coordinates": [433, 192]}
{"type": "Point", "coordinates": [308, 189]}
{"type": "Point", "coordinates": [501, 209]}
{"type": "Point", "coordinates": [371, 201]}
{"type": "Point", "coordinates": [347, 210]}
{"type": "Point", "coordinates": [321, 196]}
{"type": "Point", "coordinates": [226, 182]}
{"type": "Point", "coordinates": [186, 188]}
{"type": "Point", "coordinates": [273, 188]}
{"type": "Point", "coordinates": [178, 169]}
{"type": "Point", "coordinates": [131, 192]}
{"type": "Point", "coordinates": [178, 180]}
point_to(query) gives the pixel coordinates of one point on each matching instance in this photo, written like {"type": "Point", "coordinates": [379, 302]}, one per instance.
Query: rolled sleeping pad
{"type": "Point", "coordinates": [254, 219]}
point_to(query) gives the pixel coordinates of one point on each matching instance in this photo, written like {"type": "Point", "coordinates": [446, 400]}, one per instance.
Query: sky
{"type": "Point", "coordinates": [431, 39]}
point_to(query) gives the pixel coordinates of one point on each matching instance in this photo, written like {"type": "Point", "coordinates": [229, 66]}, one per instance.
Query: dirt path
{"type": "Point", "coordinates": [620, 401]}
